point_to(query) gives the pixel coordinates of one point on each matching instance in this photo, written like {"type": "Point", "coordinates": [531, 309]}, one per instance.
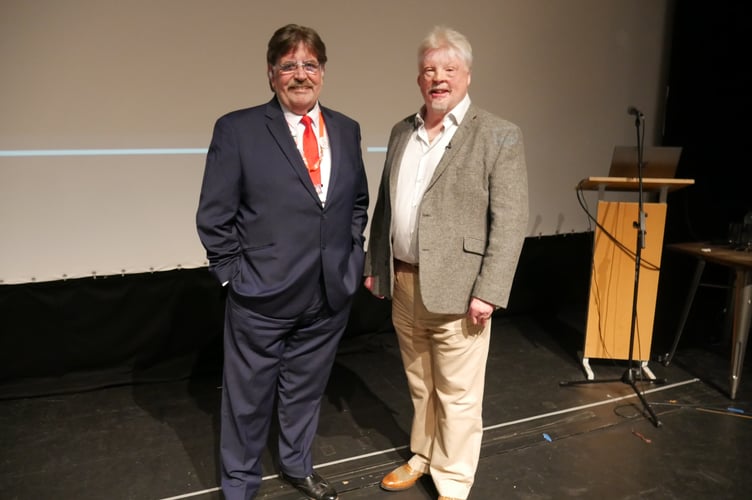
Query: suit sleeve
{"type": "Point", "coordinates": [360, 210]}
{"type": "Point", "coordinates": [219, 201]}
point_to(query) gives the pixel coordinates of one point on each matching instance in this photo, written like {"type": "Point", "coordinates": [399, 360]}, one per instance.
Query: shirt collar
{"type": "Point", "coordinates": [293, 120]}
{"type": "Point", "coordinates": [456, 114]}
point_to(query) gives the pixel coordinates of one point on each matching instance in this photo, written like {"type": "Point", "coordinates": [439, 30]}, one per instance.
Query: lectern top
{"type": "Point", "coordinates": [632, 184]}
{"type": "Point", "coordinates": [657, 162]}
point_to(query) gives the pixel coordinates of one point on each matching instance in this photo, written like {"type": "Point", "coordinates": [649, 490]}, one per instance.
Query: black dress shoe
{"type": "Point", "coordinates": [315, 486]}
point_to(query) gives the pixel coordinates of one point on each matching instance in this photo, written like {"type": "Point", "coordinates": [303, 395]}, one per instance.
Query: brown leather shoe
{"type": "Point", "coordinates": [401, 478]}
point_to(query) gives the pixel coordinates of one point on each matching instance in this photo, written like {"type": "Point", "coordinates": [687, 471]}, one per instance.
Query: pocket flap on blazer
{"type": "Point", "coordinates": [474, 245]}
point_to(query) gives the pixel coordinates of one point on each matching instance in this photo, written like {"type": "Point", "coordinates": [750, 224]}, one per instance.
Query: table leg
{"type": "Point", "coordinates": [742, 318]}
{"type": "Point", "coordinates": [669, 356]}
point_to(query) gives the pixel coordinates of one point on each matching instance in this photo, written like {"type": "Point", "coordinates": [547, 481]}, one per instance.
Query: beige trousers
{"type": "Point", "coordinates": [444, 356]}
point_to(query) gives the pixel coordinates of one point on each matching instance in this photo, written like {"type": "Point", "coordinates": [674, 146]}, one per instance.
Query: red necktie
{"type": "Point", "coordinates": [311, 151]}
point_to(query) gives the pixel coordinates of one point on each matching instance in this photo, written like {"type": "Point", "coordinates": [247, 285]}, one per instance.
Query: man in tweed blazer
{"type": "Point", "coordinates": [446, 235]}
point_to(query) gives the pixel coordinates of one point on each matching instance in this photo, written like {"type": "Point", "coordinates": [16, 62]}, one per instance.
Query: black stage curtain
{"type": "Point", "coordinates": [88, 333]}
{"type": "Point", "coordinates": [85, 334]}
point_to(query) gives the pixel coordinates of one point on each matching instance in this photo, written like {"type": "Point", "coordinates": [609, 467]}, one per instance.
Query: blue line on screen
{"type": "Point", "coordinates": [104, 152]}
{"type": "Point", "coordinates": [122, 152]}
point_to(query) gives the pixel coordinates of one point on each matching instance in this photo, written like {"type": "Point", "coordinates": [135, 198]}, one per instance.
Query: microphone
{"type": "Point", "coordinates": [635, 112]}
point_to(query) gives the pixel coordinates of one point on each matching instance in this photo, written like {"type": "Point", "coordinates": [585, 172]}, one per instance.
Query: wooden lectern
{"type": "Point", "coordinates": [612, 279]}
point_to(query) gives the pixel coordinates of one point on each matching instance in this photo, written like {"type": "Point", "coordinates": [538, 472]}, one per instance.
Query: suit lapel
{"type": "Point", "coordinates": [335, 147]}
{"type": "Point", "coordinates": [280, 131]}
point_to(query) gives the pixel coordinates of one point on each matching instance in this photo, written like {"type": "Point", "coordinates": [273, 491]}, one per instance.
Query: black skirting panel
{"type": "Point", "coordinates": [87, 333]}
{"type": "Point", "coordinates": [83, 334]}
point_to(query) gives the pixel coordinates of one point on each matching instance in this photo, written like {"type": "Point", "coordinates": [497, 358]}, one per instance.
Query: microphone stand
{"type": "Point", "coordinates": [630, 375]}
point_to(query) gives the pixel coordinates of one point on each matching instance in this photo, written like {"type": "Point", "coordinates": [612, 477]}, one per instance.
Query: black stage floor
{"type": "Point", "coordinates": [542, 441]}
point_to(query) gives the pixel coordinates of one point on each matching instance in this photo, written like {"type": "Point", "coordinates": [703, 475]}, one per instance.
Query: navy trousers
{"type": "Point", "coordinates": [266, 360]}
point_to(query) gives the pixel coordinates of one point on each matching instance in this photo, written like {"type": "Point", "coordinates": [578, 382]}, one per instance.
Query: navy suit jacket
{"type": "Point", "coordinates": [262, 223]}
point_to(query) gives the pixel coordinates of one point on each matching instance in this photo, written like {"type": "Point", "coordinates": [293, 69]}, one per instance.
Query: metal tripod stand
{"type": "Point", "coordinates": [631, 374]}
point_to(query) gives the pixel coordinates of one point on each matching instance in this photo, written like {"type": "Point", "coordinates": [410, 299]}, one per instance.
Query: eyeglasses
{"type": "Point", "coordinates": [310, 67]}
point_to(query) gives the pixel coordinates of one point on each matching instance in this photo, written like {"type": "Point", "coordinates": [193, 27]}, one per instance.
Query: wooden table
{"type": "Point", "coordinates": [740, 262]}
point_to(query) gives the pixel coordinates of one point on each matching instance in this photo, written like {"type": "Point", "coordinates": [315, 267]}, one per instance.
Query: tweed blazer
{"type": "Point", "coordinates": [472, 220]}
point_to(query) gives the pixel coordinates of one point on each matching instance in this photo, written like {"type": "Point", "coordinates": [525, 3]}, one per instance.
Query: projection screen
{"type": "Point", "coordinates": [107, 107]}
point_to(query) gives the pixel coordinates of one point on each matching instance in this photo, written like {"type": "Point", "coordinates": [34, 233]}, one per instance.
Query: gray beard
{"type": "Point", "coordinates": [439, 108]}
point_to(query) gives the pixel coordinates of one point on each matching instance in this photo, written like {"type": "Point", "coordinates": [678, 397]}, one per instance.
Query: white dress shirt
{"type": "Point", "coordinates": [297, 129]}
{"type": "Point", "coordinates": [416, 170]}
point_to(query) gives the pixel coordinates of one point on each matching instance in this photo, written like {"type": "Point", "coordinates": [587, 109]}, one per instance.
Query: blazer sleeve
{"type": "Point", "coordinates": [508, 219]}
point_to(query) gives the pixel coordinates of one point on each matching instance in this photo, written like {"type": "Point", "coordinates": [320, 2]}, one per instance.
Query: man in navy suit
{"type": "Point", "coordinates": [283, 231]}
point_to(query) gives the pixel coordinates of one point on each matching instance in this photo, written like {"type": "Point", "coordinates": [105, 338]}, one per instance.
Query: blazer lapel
{"type": "Point", "coordinates": [395, 157]}
{"type": "Point", "coordinates": [462, 133]}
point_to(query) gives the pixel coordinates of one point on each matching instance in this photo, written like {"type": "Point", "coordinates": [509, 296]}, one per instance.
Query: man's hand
{"type": "Point", "coordinates": [479, 311]}
{"type": "Point", "coordinates": [368, 283]}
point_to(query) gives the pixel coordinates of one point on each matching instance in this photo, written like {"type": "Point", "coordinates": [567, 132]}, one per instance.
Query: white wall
{"type": "Point", "coordinates": [142, 74]}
